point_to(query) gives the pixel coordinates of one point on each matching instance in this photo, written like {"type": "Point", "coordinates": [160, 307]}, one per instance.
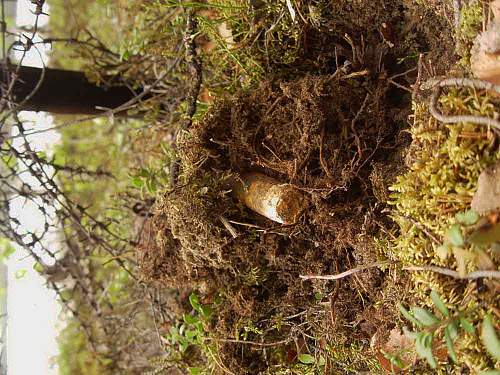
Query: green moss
{"type": "Point", "coordinates": [471, 21]}
{"type": "Point", "coordinates": [444, 165]}
{"type": "Point", "coordinates": [239, 41]}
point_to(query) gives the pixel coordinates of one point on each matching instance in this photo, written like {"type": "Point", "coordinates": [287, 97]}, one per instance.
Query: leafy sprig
{"type": "Point", "coordinates": [429, 325]}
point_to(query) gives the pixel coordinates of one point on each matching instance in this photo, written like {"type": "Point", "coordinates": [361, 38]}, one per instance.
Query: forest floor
{"type": "Point", "coordinates": [330, 97]}
{"type": "Point", "coordinates": [337, 122]}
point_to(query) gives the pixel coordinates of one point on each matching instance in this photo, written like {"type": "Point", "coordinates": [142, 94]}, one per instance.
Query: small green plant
{"type": "Point", "coordinates": [255, 276]}
{"type": "Point", "coordinates": [146, 180]}
{"type": "Point", "coordinates": [394, 359]}
{"type": "Point", "coordinates": [468, 239]}
{"type": "Point", "coordinates": [311, 361]}
{"type": "Point", "coordinates": [430, 326]}
{"type": "Point", "coordinates": [192, 329]}
{"type": "Point", "coordinates": [471, 20]}
{"type": "Point", "coordinates": [490, 338]}
{"type": "Point", "coordinates": [432, 199]}
{"type": "Point", "coordinates": [192, 335]}
{"type": "Point", "coordinates": [455, 243]}
{"type": "Point", "coordinates": [155, 176]}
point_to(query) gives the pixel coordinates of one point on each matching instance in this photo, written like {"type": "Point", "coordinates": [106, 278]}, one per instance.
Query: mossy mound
{"type": "Point", "coordinates": [329, 137]}
{"type": "Point", "coordinates": [444, 165]}
{"type": "Point", "coordinates": [328, 117]}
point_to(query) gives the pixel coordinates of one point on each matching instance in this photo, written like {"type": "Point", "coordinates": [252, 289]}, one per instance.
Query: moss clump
{"type": "Point", "coordinates": [444, 165]}
{"type": "Point", "coordinates": [471, 22]}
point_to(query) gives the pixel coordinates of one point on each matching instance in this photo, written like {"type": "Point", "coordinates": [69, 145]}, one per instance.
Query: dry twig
{"type": "Point", "coordinates": [455, 274]}
{"type": "Point", "coordinates": [195, 65]}
{"type": "Point", "coordinates": [440, 270]}
{"type": "Point", "coordinates": [346, 273]}
{"type": "Point", "coordinates": [438, 84]}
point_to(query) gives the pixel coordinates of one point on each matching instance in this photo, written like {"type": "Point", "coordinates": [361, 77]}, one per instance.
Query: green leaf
{"type": "Point", "coordinates": [42, 155]}
{"type": "Point", "coordinates": [321, 361]}
{"type": "Point", "coordinates": [125, 55]}
{"type": "Point", "coordinates": [423, 347]}
{"type": "Point", "coordinates": [489, 372]}
{"type": "Point", "coordinates": [199, 327]}
{"type": "Point", "coordinates": [184, 344]}
{"type": "Point", "coordinates": [206, 311]}
{"type": "Point", "coordinates": [453, 328]}
{"type": "Point", "coordinates": [462, 257]}
{"type": "Point", "coordinates": [467, 326]}
{"type": "Point", "coordinates": [106, 361]}
{"type": "Point", "coordinates": [449, 345]}
{"type": "Point", "coordinates": [468, 217]}
{"type": "Point", "coordinates": [490, 338]}
{"type": "Point", "coordinates": [10, 161]}
{"type": "Point", "coordinates": [137, 182]}
{"type": "Point", "coordinates": [424, 316]}
{"type": "Point", "coordinates": [438, 302]}
{"type": "Point", "coordinates": [151, 185]}
{"type": "Point", "coordinates": [443, 251]}
{"type": "Point", "coordinates": [38, 267]}
{"type": "Point", "coordinates": [191, 334]}
{"type": "Point", "coordinates": [307, 359]}
{"type": "Point", "coordinates": [454, 235]}
{"type": "Point", "coordinates": [394, 359]}
{"type": "Point", "coordinates": [190, 319]}
{"type": "Point", "coordinates": [195, 302]}
{"type": "Point", "coordinates": [407, 315]}
{"type": "Point", "coordinates": [6, 249]}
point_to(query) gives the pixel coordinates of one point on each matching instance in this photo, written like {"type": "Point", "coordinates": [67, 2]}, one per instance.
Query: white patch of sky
{"type": "Point", "coordinates": [33, 312]}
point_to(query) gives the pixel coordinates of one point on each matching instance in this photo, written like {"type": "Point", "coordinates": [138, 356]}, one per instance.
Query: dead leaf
{"type": "Point", "coordinates": [487, 197]}
{"type": "Point", "coordinates": [397, 341]}
{"type": "Point", "coordinates": [226, 34]}
{"type": "Point", "coordinates": [485, 235]}
{"type": "Point", "coordinates": [485, 54]}
{"type": "Point", "coordinates": [462, 257]}
{"type": "Point", "coordinates": [484, 261]}
{"type": "Point", "coordinates": [495, 8]}
{"type": "Point", "coordinates": [396, 344]}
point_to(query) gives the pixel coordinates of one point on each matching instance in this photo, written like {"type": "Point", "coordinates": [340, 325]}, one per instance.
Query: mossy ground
{"type": "Point", "coordinates": [318, 94]}
{"type": "Point", "coordinates": [444, 165]}
{"type": "Point", "coordinates": [341, 136]}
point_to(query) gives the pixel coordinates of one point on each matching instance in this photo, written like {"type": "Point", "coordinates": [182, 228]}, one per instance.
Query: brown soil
{"type": "Point", "coordinates": [336, 134]}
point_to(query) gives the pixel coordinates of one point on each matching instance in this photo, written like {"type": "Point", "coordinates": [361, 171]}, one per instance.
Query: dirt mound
{"type": "Point", "coordinates": [331, 137]}
{"type": "Point", "coordinates": [337, 134]}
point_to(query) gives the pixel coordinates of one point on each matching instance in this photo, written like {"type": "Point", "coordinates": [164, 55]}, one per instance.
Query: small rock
{"type": "Point", "coordinates": [487, 197]}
